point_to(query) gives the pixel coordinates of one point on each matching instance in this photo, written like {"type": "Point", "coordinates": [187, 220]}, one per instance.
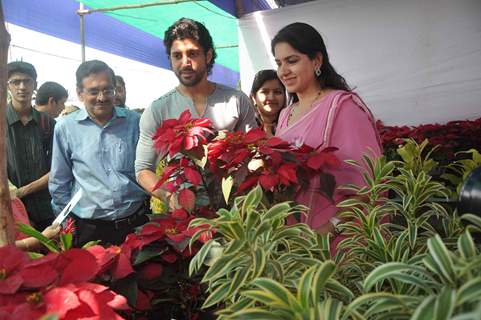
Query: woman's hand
{"type": "Point", "coordinates": [51, 231]}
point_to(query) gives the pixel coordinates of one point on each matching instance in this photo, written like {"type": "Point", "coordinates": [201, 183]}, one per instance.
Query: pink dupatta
{"type": "Point", "coordinates": [340, 119]}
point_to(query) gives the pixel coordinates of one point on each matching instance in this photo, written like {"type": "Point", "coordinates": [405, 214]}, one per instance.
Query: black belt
{"type": "Point", "coordinates": [119, 223]}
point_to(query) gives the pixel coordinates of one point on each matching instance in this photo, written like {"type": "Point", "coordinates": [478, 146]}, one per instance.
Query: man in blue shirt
{"type": "Point", "coordinates": [94, 150]}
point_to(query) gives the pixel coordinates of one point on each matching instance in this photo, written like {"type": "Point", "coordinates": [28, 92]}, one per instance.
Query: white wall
{"type": "Point", "coordinates": [412, 61]}
{"type": "Point", "coordinates": [57, 60]}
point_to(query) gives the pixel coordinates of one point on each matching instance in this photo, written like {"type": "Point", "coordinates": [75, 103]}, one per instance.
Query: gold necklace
{"type": "Point", "coordinates": [312, 103]}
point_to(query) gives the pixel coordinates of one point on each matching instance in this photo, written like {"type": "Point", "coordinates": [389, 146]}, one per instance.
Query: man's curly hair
{"type": "Point", "coordinates": [185, 28]}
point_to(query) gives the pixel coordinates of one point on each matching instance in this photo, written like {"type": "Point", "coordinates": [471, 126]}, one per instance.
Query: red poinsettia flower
{"type": "Point", "coordinates": [150, 271]}
{"type": "Point", "coordinates": [76, 265]}
{"type": "Point", "coordinates": [143, 300]}
{"type": "Point", "coordinates": [185, 133]}
{"type": "Point", "coordinates": [114, 259]}
{"type": "Point", "coordinates": [13, 261]}
{"type": "Point", "coordinates": [84, 300]}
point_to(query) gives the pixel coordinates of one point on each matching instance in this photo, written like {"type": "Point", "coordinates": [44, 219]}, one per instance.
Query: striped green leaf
{"type": "Point", "coordinates": [386, 271]}
{"type": "Point", "coordinates": [470, 291]}
{"type": "Point", "coordinates": [440, 255]}
{"type": "Point", "coordinates": [252, 199]}
{"type": "Point", "coordinates": [199, 258]}
{"type": "Point", "coordinates": [222, 266]}
{"type": "Point", "coordinates": [305, 288]}
{"type": "Point", "coordinates": [258, 265]}
{"type": "Point", "coordinates": [255, 314]}
{"type": "Point", "coordinates": [339, 289]}
{"type": "Point", "coordinates": [217, 295]}
{"type": "Point", "coordinates": [321, 277]}
{"type": "Point", "coordinates": [280, 294]}
{"type": "Point", "coordinates": [234, 247]}
{"type": "Point", "coordinates": [331, 309]}
{"type": "Point", "coordinates": [466, 245]}
{"type": "Point", "coordinates": [238, 281]}
{"type": "Point", "coordinates": [278, 211]}
{"type": "Point", "coordinates": [444, 304]}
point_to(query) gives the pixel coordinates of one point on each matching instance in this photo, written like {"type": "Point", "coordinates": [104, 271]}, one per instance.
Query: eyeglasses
{"type": "Point", "coordinates": [109, 92]}
{"type": "Point", "coordinates": [17, 82]}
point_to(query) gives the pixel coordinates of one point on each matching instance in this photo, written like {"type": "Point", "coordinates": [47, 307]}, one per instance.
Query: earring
{"type": "Point", "coordinates": [318, 71]}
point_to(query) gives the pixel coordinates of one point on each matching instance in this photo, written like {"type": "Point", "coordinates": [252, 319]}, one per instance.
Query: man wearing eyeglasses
{"type": "Point", "coordinates": [94, 150]}
{"type": "Point", "coordinates": [29, 144]}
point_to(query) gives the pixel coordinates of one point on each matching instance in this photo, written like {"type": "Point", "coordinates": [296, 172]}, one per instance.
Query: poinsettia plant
{"type": "Point", "coordinates": [203, 169]}
{"type": "Point", "coordinates": [60, 285]}
{"type": "Point", "coordinates": [201, 164]}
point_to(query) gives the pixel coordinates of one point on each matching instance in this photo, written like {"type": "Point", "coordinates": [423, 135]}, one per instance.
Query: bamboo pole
{"type": "Point", "coordinates": [6, 219]}
{"type": "Point", "coordinates": [132, 6]}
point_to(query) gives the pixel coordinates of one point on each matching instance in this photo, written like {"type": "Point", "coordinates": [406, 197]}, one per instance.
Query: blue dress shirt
{"type": "Point", "coordinates": [100, 161]}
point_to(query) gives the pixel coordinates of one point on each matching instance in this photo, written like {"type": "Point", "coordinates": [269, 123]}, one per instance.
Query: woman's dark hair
{"type": "Point", "coordinates": [259, 79]}
{"type": "Point", "coordinates": [263, 76]}
{"type": "Point", "coordinates": [305, 39]}
{"type": "Point", "coordinates": [185, 28]}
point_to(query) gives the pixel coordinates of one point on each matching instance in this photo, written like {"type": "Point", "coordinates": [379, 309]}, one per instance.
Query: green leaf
{"type": "Point", "coordinates": [474, 222]}
{"type": "Point", "coordinates": [251, 221]}
{"type": "Point", "coordinates": [238, 281]}
{"type": "Point", "coordinates": [263, 228]}
{"type": "Point", "coordinates": [321, 277]}
{"type": "Point", "coordinates": [440, 255]}
{"type": "Point", "coordinates": [199, 258]}
{"type": "Point", "coordinates": [35, 255]}
{"type": "Point", "coordinates": [336, 287]}
{"type": "Point", "coordinates": [258, 262]}
{"type": "Point", "coordinates": [386, 271]}
{"type": "Point", "coordinates": [66, 240]}
{"type": "Point", "coordinates": [254, 314]}
{"type": "Point", "coordinates": [368, 298]}
{"type": "Point", "coordinates": [242, 304]}
{"type": "Point", "coordinates": [252, 199]}
{"type": "Point", "coordinates": [223, 266]}
{"type": "Point", "coordinates": [331, 309]}
{"type": "Point", "coordinates": [146, 254]}
{"type": "Point", "coordinates": [277, 211]}
{"type": "Point", "coordinates": [466, 245]}
{"type": "Point", "coordinates": [227, 184]}
{"type": "Point", "coordinates": [413, 234]}
{"type": "Point", "coordinates": [470, 291]}
{"type": "Point", "coordinates": [217, 295]}
{"type": "Point", "coordinates": [304, 288]}
{"type": "Point", "coordinates": [382, 306]}
{"type": "Point", "coordinates": [444, 304]}
{"type": "Point", "coordinates": [32, 232]}
{"type": "Point", "coordinates": [280, 295]}
{"type": "Point", "coordinates": [234, 247]}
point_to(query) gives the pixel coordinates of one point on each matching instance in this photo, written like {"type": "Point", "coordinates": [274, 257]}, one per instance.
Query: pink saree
{"type": "Point", "coordinates": [340, 119]}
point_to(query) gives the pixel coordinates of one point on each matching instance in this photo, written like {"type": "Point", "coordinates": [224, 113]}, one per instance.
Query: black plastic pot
{"type": "Point", "coordinates": [470, 194]}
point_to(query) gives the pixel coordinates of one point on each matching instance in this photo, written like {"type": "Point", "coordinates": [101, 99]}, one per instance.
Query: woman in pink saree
{"type": "Point", "coordinates": [324, 113]}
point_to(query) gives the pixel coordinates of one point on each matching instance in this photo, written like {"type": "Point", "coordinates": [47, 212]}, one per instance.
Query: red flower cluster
{"type": "Point", "coordinates": [451, 137]}
{"type": "Point", "coordinates": [185, 133]}
{"type": "Point", "coordinates": [253, 158]}
{"type": "Point", "coordinates": [55, 284]}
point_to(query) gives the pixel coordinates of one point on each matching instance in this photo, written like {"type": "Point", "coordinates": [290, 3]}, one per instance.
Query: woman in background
{"type": "Point", "coordinates": [268, 95]}
{"type": "Point", "coordinates": [324, 113]}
